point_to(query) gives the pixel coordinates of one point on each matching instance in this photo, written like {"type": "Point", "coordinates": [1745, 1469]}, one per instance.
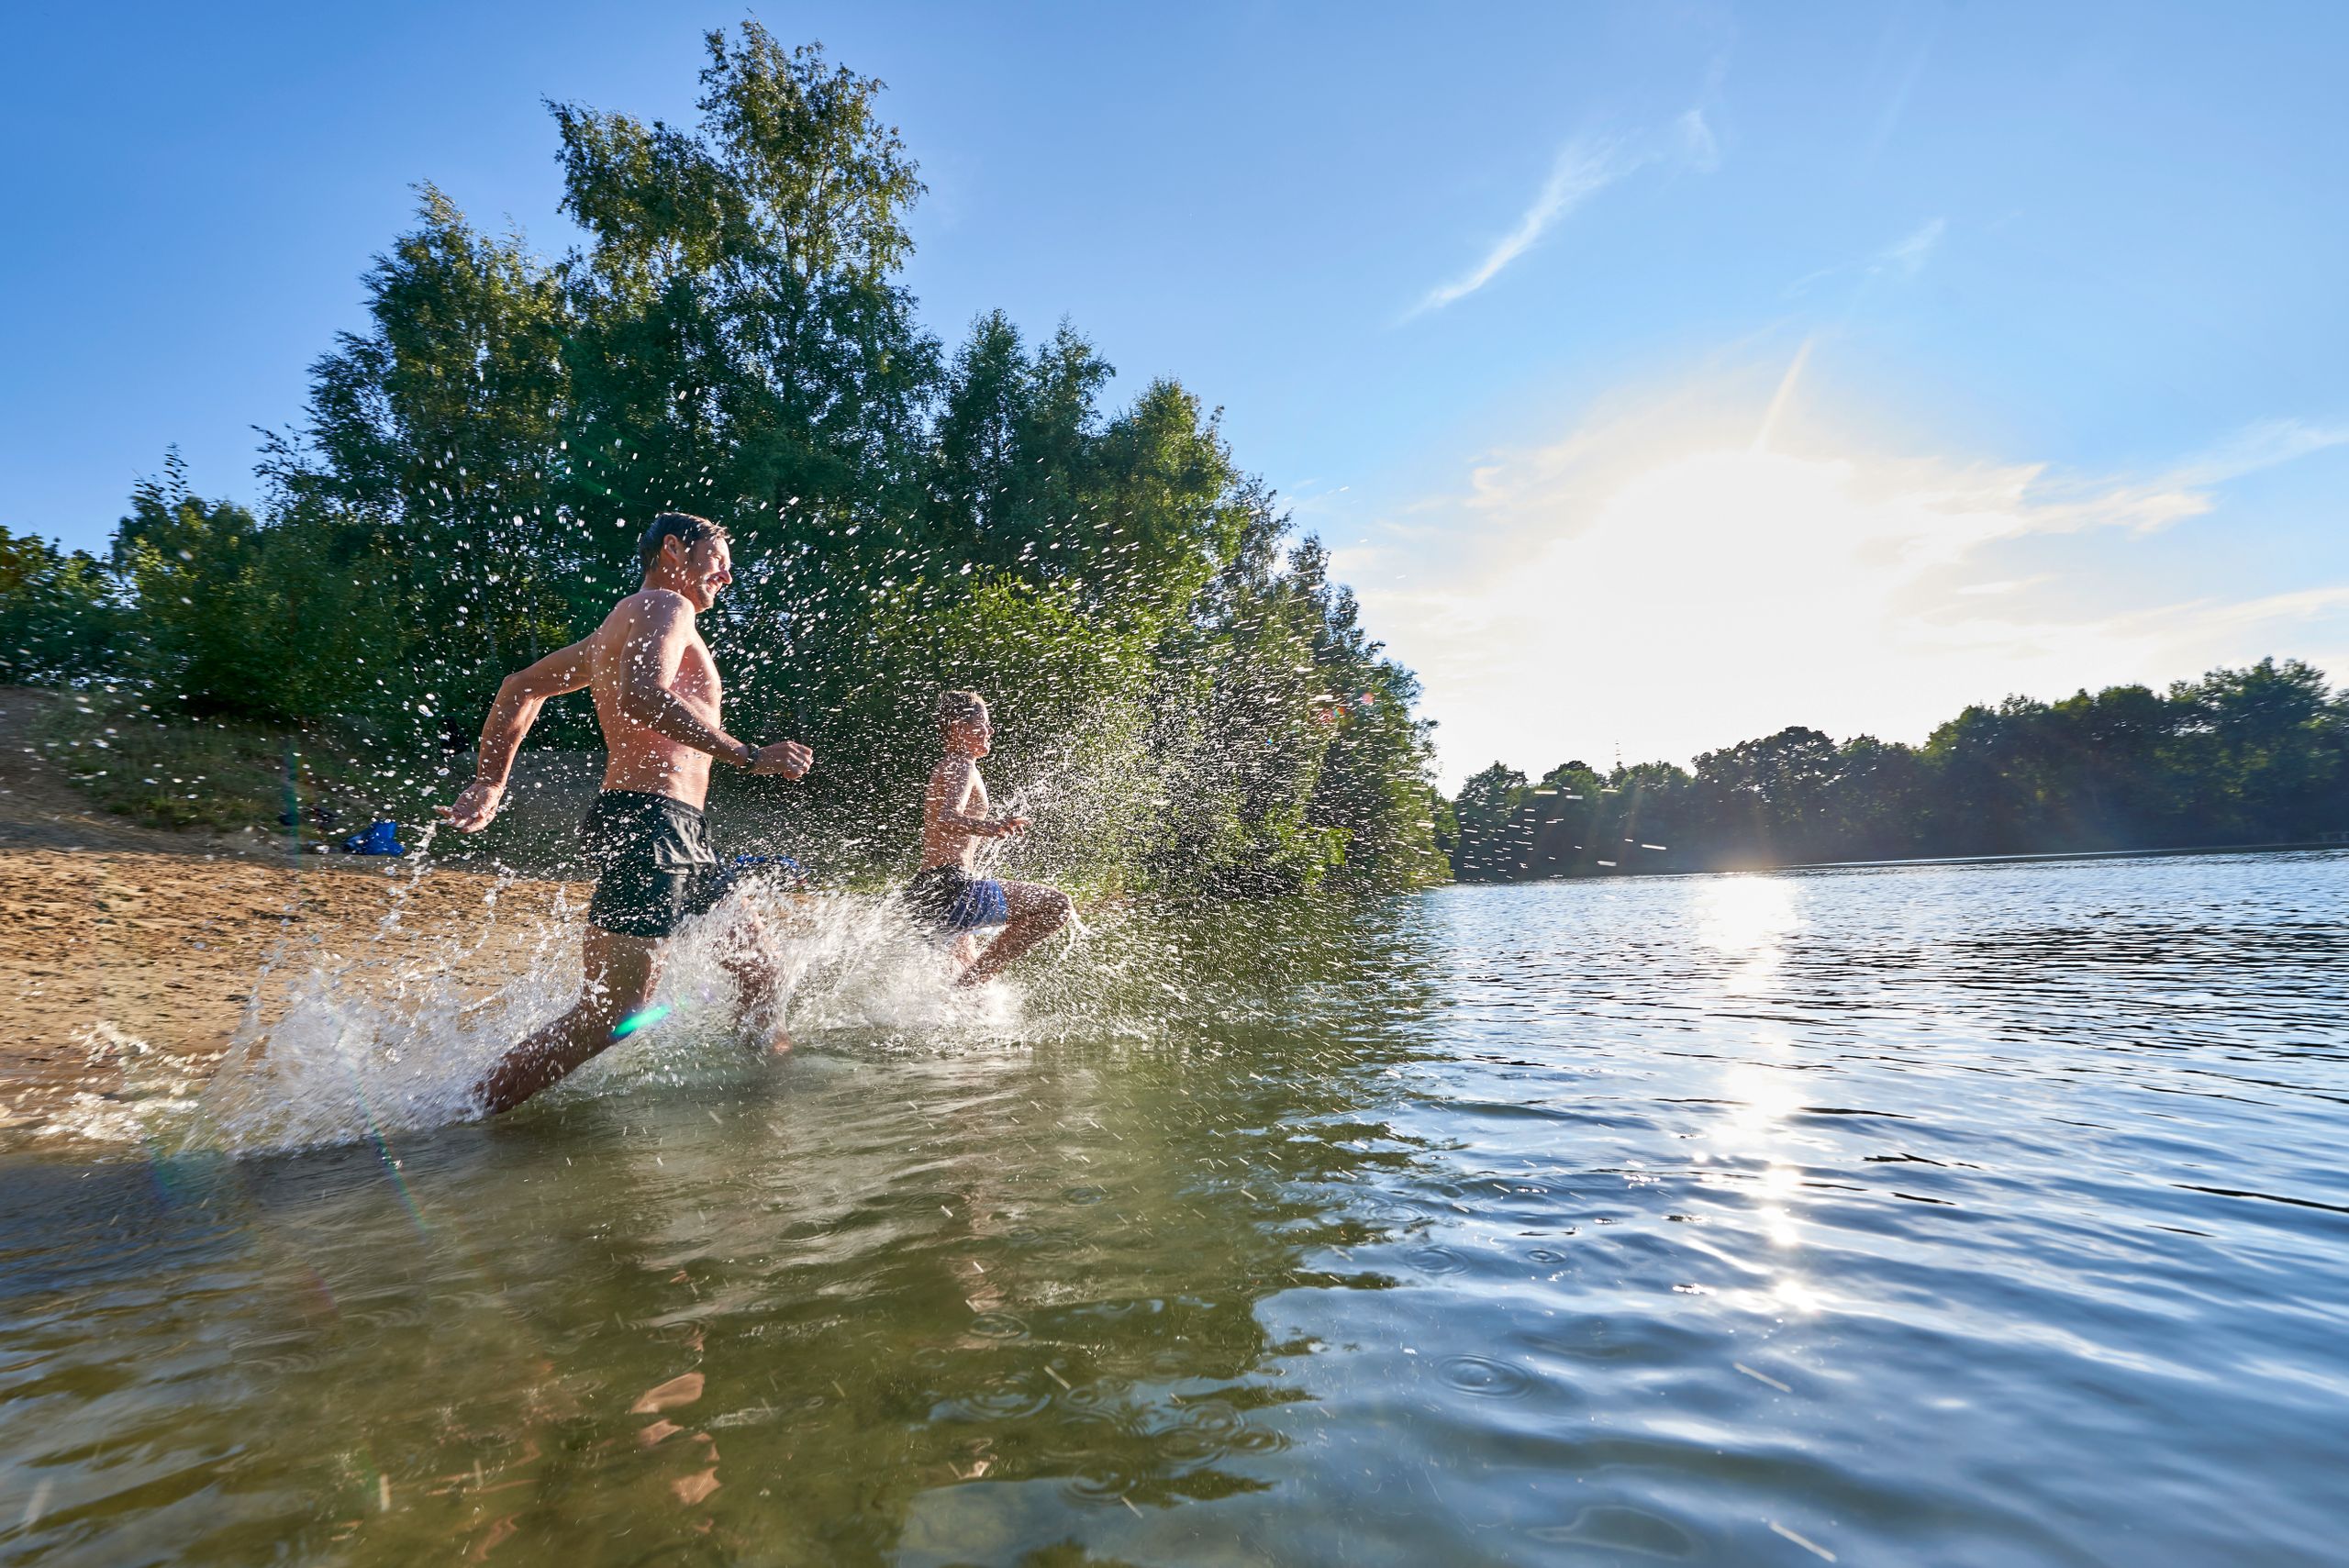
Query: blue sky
{"type": "Point", "coordinates": [1662, 374]}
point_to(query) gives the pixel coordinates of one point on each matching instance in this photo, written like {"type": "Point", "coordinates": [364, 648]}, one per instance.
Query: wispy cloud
{"type": "Point", "coordinates": [1583, 170]}
{"type": "Point", "coordinates": [2184, 489]}
{"type": "Point", "coordinates": [1905, 256]}
{"type": "Point", "coordinates": [1697, 142]}
{"type": "Point", "coordinates": [2261, 446]}
{"type": "Point", "coordinates": [1783, 395]}
{"type": "Point", "coordinates": [1909, 253]}
{"type": "Point", "coordinates": [1583, 167]}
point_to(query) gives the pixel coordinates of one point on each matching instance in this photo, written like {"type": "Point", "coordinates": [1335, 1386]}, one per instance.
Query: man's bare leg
{"type": "Point", "coordinates": [748, 955]}
{"type": "Point", "coordinates": [1036, 913]}
{"type": "Point", "coordinates": [621, 972]}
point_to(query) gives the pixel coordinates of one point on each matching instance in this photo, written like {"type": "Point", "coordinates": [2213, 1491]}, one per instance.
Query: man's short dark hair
{"type": "Point", "coordinates": [682, 527]}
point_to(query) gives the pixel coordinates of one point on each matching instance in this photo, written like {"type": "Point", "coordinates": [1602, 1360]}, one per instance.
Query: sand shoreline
{"type": "Point", "coordinates": [136, 953]}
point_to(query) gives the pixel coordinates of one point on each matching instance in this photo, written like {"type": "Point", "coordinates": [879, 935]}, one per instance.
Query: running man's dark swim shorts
{"type": "Point", "coordinates": [655, 869]}
{"type": "Point", "coordinates": [952, 899]}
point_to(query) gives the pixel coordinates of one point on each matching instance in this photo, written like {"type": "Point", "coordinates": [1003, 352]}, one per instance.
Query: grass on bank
{"type": "Point", "coordinates": [175, 771]}
{"type": "Point", "coordinates": [131, 758]}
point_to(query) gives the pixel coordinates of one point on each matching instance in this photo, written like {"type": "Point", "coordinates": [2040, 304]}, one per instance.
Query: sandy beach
{"type": "Point", "coordinates": [136, 953]}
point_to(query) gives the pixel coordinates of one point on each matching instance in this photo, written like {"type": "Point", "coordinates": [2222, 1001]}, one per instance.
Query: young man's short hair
{"type": "Point", "coordinates": [957, 708]}
{"type": "Point", "coordinates": [682, 527]}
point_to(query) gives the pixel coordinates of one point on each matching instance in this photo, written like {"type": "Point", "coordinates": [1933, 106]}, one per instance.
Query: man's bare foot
{"type": "Point", "coordinates": [778, 1043]}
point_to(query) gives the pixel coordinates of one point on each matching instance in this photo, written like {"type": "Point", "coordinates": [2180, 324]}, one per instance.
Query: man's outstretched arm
{"type": "Point", "coordinates": [519, 697]}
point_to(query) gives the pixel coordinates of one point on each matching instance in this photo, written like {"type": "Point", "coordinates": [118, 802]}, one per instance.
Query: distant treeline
{"type": "Point", "coordinates": [2258, 755]}
{"type": "Point", "coordinates": [1184, 699]}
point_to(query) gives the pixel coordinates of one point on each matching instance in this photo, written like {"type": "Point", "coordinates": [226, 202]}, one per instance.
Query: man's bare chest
{"type": "Point", "coordinates": [698, 675]}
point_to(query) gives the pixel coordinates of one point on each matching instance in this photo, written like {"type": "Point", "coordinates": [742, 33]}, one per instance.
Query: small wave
{"type": "Point", "coordinates": [1484, 1376]}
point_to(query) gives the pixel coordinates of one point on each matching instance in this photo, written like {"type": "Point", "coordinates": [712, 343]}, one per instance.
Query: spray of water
{"type": "Point", "coordinates": [392, 1037]}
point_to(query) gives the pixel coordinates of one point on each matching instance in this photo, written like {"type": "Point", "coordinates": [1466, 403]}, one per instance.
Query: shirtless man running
{"type": "Point", "coordinates": [657, 697]}
{"type": "Point", "coordinates": [955, 817]}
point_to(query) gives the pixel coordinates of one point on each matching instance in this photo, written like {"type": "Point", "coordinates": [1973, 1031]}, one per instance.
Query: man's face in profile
{"type": "Point", "coordinates": [709, 567]}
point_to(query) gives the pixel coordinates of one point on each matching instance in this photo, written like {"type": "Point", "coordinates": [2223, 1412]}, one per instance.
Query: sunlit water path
{"type": "Point", "coordinates": [1960, 1214]}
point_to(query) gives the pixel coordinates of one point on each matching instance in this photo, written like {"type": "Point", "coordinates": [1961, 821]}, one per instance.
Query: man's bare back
{"type": "Point", "coordinates": [659, 701]}
{"type": "Point", "coordinates": [658, 698]}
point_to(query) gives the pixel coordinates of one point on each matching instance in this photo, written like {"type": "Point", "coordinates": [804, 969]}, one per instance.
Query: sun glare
{"type": "Point", "coordinates": [1720, 582]}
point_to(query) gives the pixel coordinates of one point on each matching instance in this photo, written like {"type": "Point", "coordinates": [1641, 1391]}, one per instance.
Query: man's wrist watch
{"type": "Point", "coordinates": [749, 754]}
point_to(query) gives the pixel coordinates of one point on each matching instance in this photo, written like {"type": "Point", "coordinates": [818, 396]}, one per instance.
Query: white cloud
{"type": "Point", "coordinates": [1912, 250]}
{"type": "Point", "coordinates": [1905, 256]}
{"type": "Point", "coordinates": [2261, 446]}
{"type": "Point", "coordinates": [1582, 168]}
{"type": "Point", "coordinates": [1657, 578]}
{"type": "Point", "coordinates": [1697, 143]}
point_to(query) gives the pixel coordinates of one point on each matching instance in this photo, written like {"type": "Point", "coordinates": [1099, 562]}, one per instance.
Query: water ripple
{"type": "Point", "coordinates": [1485, 1377]}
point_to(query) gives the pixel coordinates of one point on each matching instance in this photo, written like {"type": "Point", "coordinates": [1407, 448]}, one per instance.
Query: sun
{"type": "Point", "coordinates": [1737, 504]}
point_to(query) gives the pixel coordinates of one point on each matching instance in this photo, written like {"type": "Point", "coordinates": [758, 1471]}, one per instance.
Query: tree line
{"type": "Point", "coordinates": [2257, 755]}
{"type": "Point", "coordinates": [1186, 699]}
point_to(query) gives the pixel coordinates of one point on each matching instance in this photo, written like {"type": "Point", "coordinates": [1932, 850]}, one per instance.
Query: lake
{"type": "Point", "coordinates": [1954, 1215]}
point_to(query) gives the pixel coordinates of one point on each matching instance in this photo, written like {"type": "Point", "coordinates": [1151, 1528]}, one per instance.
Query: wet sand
{"type": "Point", "coordinates": [135, 952]}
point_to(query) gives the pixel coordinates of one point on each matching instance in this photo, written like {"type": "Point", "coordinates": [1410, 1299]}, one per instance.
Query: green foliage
{"type": "Point", "coordinates": [62, 618]}
{"type": "Point", "coordinates": [1493, 843]}
{"type": "Point", "coordinates": [1069, 693]}
{"type": "Point", "coordinates": [1182, 700]}
{"type": "Point", "coordinates": [1372, 788]}
{"type": "Point", "coordinates": [239, 619]}
{"type": "Point", "coordinates": [2257, 755]}
{"type": "Point", "coordinates": [1286, 746]}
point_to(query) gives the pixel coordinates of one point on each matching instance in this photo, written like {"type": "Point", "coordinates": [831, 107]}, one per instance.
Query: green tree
{"type": "Point", "coordinates": [424, 471]}
{"type": "Point", "coordinates": [733, 336]}
{"type": "Point", "coordinates": [62, 618]}
{"type": "Point", "coordinates": [1374, 768]}
{"type": "Point", "coordinates": [2269, 738]}
{"type": "Point", "coordinates": [1239, 734]}
{"type": "Point", "coordinates": [1016, 466]}
{"type": "Point", "coordinates": [1494, 845]}
{"type": "Point", "coordinates": [2259, 754]}
{"type": "Point", "coordinates": [243, 617]}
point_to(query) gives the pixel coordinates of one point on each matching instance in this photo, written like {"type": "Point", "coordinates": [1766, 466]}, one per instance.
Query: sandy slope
{"type": "Point", "coordinates": [133, 954]}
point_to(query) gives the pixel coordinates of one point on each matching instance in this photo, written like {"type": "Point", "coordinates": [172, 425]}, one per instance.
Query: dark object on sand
{"type": "Point", "coordinates": [383, 839]}
{"type": "Point", "coordinates": [783, 868]}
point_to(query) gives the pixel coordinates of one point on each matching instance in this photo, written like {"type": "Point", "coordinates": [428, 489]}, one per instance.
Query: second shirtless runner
{"type": "Point", "coordinates": [953, 820]}
{"type": "Point", "coordinates": [657, 699]}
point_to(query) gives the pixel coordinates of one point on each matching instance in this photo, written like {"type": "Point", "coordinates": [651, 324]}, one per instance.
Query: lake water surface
{"type": "Point", "coordinates": [1959, 1215]}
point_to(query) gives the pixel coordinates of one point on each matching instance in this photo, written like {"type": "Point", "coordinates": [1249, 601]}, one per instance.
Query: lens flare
{"type": "Point", "coordinates": [641, 1020]}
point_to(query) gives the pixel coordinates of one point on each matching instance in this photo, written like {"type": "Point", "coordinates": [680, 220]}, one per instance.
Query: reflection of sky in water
{"type": "Point", "coordinates": [1908, 1214]}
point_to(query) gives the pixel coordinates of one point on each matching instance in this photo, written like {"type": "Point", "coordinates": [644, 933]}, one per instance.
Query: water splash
{"type": "Point", "coordinates": [391, 1037]}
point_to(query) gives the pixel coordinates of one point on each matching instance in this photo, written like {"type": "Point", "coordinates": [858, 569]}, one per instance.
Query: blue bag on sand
{"type": "Point", "coordinates": [383, 839]}
{"type": "Point", "coordinates": [781, 866]}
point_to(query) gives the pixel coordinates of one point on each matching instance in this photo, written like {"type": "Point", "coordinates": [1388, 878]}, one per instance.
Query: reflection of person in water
{"type": "Point", "coordinates": [658, 699]}
{"type": "Point", "coordinates": [955, 817]}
